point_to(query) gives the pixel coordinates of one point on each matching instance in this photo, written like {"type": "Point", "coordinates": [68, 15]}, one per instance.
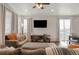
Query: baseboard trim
{"type": "Point", "coordinates": [54, 41]}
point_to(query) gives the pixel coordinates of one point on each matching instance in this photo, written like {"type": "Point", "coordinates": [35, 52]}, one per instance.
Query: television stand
{"type": "Point", "coordinates": [40, 38]}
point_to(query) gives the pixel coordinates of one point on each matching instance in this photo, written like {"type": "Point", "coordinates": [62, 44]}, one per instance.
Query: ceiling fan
{"type": "Point", "coordinates": [40, 5]}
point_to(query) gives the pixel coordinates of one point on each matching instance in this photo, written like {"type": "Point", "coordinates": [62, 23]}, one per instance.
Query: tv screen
{"type": "Point", "coordinates": [40, 23]}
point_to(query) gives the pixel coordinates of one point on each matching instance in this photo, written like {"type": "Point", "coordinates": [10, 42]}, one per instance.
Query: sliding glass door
{"type": "Point", "coordinates": [64, 31]}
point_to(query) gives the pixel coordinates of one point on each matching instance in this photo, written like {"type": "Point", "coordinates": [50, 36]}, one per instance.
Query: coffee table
{"type": "Point", "coordinates": [35, 45]}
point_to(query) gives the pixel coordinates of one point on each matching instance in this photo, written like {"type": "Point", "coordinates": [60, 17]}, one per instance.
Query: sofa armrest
{"type": "Point", "coordinates": [22, 42]}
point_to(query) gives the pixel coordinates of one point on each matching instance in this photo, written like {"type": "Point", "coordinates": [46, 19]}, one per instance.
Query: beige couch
{"type": "Point", "coordinates": [20, 40]}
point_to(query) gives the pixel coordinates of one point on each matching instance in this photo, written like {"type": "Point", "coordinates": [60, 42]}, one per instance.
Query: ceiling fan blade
{"type": "Point", "coordinates": [34, 6]}
{"type": "Point", "coordinates": [40, 5]}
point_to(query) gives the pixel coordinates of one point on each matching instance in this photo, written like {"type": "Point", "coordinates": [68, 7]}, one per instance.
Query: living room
{"type": "Point", "coordinates": [34, 26]}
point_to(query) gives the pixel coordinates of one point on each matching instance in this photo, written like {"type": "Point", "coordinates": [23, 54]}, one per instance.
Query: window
{"type": "Point", "coordinates": [25, 26]}
{"type": "Point", "coordinates": [22, 25]}
{"type": "Point", "coordinates": [19, 24]}
{"type": "Point", "coordinates": [64, 30]}
{"type": "Point", "coordinates": [8, 21]}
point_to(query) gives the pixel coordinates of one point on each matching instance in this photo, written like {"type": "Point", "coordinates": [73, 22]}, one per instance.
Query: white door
{"type": "Point", "coordinates": [64, 31]}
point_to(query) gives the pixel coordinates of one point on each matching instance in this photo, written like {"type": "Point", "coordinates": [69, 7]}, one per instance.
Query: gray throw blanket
{"type": "Point", "coordinates": [50, 51]}
{"type": "Point", "coordinates": [62, 51]}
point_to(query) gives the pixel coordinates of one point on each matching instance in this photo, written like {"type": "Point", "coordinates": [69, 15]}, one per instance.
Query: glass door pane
{"type": "Point", "coordinates": [67, 29]}
{"type": "Point", "coordinates": [64, 31]}
{"type": "Point", "coordinates": [61, 22]}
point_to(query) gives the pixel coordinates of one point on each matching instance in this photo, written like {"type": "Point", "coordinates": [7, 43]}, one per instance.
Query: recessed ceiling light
{"type": "Point", "coordinates": [52, 10]}
{"type": "Point", "coordinates": [26, 10]}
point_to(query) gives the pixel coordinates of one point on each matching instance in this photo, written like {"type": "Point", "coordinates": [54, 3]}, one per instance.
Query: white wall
{"type": "Point", "coordinates": [75, 25]}
{"type": "Point", "coordinates": [2, 41]}
{"type": "Point", "coordinates": [52, 26]}
{"type": "Point", "coordinates": [0, 26]}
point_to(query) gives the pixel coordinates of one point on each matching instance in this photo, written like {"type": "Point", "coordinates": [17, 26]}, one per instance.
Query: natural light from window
{"type": "Point", "coordinates": [64, 31]}
{"type": "Point", "coordinates": [8, 21]}
{"type": "Point", "coordinates": [25, 26]}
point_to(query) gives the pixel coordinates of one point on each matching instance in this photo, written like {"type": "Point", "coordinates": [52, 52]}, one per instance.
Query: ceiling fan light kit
{"type": "Point", "coordinates": [40, 5]}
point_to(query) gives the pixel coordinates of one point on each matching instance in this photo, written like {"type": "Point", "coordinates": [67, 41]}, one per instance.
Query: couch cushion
{"type": "Point", "coordinates": [11, 36]}
{"type": "Point", "coordinates": [8, 51]}
{"type": "Point", "coordinates": [33, 52]}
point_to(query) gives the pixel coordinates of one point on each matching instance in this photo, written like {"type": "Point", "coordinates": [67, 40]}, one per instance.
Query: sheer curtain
{"type": "Point", "coordinates": [8, 21]}
{"type": "Point", "coordinates": [64, 31]}
{"type": "Point", "coordinates": [19, 24]}
{"type": "Point", "coordinates": [25, 26]}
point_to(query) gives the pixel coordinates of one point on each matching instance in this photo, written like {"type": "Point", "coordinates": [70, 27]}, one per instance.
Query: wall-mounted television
{"type": "Point", "coordinates": [40, 23]}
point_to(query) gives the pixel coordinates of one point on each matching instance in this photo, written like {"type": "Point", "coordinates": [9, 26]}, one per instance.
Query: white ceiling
{"type": "Point", "coordinates": [59, 9]}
